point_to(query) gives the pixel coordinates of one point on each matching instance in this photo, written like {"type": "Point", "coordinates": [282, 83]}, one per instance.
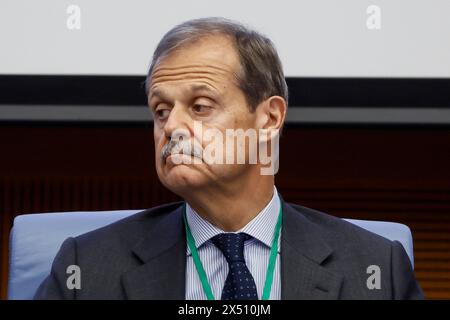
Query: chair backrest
{"type": "Point", "coordinates": [36, 238]}
{"type": "Point", "coordinates": [390, 230]}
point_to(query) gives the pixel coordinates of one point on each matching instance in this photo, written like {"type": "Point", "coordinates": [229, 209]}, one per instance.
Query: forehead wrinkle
{"type": "Point", "coordinates": [158, 91]}
{"type": "Point", "coordinates": [210, 81]}
{"type": "Point", "coordinates": [190, 71]}
{"type": "Point", "coordinates": [187, 74]}
{"type": "Point", "coordinates": [162, 68]}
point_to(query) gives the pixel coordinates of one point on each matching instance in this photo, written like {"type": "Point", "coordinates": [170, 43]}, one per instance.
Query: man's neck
{"type": "Point", "coordinates": [233, 209]}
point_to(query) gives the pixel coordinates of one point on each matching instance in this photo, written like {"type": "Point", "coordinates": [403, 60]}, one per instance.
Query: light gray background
{"type": "Point", "coordinates": [314, 38]}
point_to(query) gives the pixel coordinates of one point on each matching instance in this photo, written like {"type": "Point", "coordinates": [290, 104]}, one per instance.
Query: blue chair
{"type": "Point", "coordinates": [35, 239]}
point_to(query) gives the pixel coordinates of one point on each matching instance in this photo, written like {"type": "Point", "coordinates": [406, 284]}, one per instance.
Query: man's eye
{"type": "Point", "coordinates": [162, 113]}
{"type": "Point", "coordinates": [200, 108]}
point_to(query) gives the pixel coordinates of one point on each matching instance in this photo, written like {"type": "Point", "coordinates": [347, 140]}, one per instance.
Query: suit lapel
{"type": "Point", "coordinates": [303, 252]}
{"type": "Point", "coordinates": [163, 253]}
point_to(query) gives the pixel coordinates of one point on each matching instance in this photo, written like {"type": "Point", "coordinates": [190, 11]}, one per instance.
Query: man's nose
{"type": "Point", "coordinates": [178, 119]}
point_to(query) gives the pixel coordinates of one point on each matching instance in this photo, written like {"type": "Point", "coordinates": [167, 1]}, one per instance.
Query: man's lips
{"type": "Point", "coordinates": [181, 155]}
{"type": "Point", "coordinates": [173, 147]}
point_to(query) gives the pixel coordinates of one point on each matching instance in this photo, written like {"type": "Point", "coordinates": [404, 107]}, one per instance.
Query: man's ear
{"type": "Point", "coordinates": [271, 113]}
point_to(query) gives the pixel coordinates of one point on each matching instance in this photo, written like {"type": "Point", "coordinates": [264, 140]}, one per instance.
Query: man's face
{"type": "Point", "coordinates": [197, 84]}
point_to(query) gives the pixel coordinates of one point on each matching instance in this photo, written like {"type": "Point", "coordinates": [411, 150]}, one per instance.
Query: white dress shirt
{"type": "Point", "coordinates": [256, 252]}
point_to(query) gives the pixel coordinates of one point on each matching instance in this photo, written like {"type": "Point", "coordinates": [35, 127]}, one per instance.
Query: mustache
{"type": "Point", "coordinates": [181, 147]}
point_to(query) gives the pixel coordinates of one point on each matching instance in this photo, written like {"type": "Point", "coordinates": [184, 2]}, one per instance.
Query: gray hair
{"type": "Point", "coordinates": [261, 73]}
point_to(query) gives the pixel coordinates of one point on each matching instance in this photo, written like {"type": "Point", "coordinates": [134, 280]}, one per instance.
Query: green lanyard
{"type": "Point", "coordinates": [270, 267]}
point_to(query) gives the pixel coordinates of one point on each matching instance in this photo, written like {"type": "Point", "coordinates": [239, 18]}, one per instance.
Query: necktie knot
{"type": "Point", "coordinates": [231, 245]}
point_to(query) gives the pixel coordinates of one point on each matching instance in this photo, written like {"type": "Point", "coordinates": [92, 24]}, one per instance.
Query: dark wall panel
{"type": "Point", "coordinates": [395, 174]}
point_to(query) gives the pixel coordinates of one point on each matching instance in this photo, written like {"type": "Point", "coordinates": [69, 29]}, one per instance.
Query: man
{"type": "Point", "coordinates": [233, 237]}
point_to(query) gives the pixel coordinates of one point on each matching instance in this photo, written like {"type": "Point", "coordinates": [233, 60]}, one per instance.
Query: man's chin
{"type": "Point", "coordinates": [180, 178]}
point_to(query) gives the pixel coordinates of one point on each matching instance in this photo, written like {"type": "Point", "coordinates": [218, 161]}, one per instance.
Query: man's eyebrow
{"type": "Point", "coordinates": [157, 92]}
{"type": "Point", "coordinates": [203, 87]}
{"type": "Point", "coordinates": [216, 94]}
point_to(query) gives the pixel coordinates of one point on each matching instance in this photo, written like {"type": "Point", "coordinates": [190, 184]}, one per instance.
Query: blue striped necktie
{"type": "Point", "coordinates": [239, 284]}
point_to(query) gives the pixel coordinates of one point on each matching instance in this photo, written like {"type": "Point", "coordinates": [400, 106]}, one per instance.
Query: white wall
{"type": "Point", "coordinates": [314, 38]}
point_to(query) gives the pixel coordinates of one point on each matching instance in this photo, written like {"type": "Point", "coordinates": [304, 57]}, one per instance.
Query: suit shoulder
{"type": "Point", "coordinates": [129, 229]}
{"type": "Point", "coordinates": [338, 230]}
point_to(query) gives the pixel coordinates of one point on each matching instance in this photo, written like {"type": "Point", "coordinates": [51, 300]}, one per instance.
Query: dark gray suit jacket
{"type": "Point", "coordinates": [144, 257]}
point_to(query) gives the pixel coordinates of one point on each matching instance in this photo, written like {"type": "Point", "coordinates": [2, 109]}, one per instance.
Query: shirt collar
{"type": "Point", "coordinates": [261, 227]}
